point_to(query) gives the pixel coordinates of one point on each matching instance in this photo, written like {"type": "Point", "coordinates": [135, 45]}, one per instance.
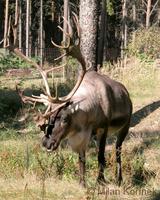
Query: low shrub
{"type": "Point", "coordinates": [146, 45]}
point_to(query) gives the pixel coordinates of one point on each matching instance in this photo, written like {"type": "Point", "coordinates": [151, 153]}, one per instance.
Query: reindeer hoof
{"type": "Point", "coordinates": [82, 184]}
{"type": "Point", "coordinates": [101, 180]}
{"type": "Point", "coordinates": [119, 181]}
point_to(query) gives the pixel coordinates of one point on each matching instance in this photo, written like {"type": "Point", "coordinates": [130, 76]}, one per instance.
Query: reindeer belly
{"type": "Point", "coordinates": [79, 140]}
{"type": "Point", "coordinates": [114, 130]}
{"type": "Point", "coordinates": [110, 132]}
{"type": "Point", "coordinates": [115, 126]}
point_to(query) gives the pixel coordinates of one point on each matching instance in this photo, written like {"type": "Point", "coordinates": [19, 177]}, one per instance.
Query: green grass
{"type": "Point", "coordinates": [140, 78]}
{"type": "Point", "coordinates": [28, 172]}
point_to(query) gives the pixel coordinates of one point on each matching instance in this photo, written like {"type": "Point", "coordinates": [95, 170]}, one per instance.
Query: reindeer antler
{"type": "Point", "coordinates": [71, 48]}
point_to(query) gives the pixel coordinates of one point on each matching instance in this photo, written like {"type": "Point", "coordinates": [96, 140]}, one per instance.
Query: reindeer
{"type": "Point", "coordinates": [96, 105]}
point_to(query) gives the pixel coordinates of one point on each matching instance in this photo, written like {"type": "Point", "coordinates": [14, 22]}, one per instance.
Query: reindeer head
{"type": "Point", "coordinates": [59, 126]}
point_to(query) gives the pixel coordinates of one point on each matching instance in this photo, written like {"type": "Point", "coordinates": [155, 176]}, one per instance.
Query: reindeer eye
{"type": "Point", "coordinates": [58, 118]}
{"type": "Point", "coordinates": [65, 118]}
{"type": "Point", "coordinates": [43, 127]}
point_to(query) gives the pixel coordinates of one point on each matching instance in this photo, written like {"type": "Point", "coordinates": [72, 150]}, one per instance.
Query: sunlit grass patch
{"type": "Point", "coordinates": [140, 78]}
{"type": "Point", "coordinates": [30, 187]}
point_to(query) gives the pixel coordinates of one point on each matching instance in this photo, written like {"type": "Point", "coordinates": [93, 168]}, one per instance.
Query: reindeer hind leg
{"type": "Point", "coordinates": [121, 136]}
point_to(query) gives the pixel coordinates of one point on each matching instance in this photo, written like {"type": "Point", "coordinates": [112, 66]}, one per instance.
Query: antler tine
{"type": "Point", "coordinates": [56, 45]}
{"type": "Point", "coordinates": [2, 41]}
{"type": "Point", "coordinates": [48, 109]}
{"type": "Point", "coordinates": [67, 34]}
{"type": "Point", "coordinates": [24, 99]}
{"type": "Point", "coordinates": [60, 56]}
{"type": "Point", "coordinates": [34, 99]}
{"type": "Point", "coordinates": [69, 96]}
{"type": "Point", "coordinates": [34, 64]}
{"type": "Point", "coordinates": [55, 68]}
{"type": "Point", "coordinates": [76, 21]}
{"type": "Point", "coordinates": [62, 46]}
{"type": "Point", "coordinates": [49, 113]}
{"type": "Point", "coordinates": [69, 27]}
{"type": "Point", "coordinates": [19, 91]}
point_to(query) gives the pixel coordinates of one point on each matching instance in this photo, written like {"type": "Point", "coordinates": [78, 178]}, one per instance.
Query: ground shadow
{"type": "Point", "coordinates": [144, 112]}
{"type": "Point", "coordinates": [136, 119]}
{"type": "Point", "coordinates": [141, 176]}
{"type": "Point", "coordinates": [148, 143]}
{"type": "Point", "coordinates": [11, 104]}
{"type": "Point", "coordinates": [156, 196]}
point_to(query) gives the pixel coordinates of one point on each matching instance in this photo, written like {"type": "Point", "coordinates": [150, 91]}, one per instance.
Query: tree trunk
{"type": "Point", "coordinates": [1, 23]}
{"type": "Point", "coordinates": [124, 28]}
{"type": "Point", "coordinates": [41, 32]}
{"type": "Point", "coordinates": [15, 29]}
{"type": "Point", "coordinates": [52, 10]}
{"type": "Point", "coordinates": [89, 26]}
{"type": "Point", "coordinates": [6, 24]}
{"type": "Point", "coordinates": [20, 26]}
{"type": "Point", "coordinates": [149, 3]}
{"type": "Point", "coordinates": [65, 27]}
{"type": "Point", "coordinates": [30, 25]}
{"type": "Point", "coordinates": [134, 21]}
{"type": "Point", "coordinates": [27, 27]}
{"type": "Point", "coordinates": [158, 15]}
{"type": "Point", "coordinates": [102, 29]}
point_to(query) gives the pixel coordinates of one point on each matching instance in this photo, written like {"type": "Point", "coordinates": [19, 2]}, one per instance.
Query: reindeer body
{"type": "Point", "coordinates": [100, 105]}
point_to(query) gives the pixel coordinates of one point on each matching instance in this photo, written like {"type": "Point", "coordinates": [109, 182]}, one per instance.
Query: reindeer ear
{"type": "Point", "coordinates": [73, 107]}
{"type": "Point", "coordinates": [40, 121]}
{"type": "Point", "coordinates": [68, 104]}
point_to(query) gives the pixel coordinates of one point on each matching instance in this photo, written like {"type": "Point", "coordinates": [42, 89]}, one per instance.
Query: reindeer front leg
{"type": "Point", "coordinates": [101, 158]}
{"type": "Point", "coordinates": [82, 161]}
